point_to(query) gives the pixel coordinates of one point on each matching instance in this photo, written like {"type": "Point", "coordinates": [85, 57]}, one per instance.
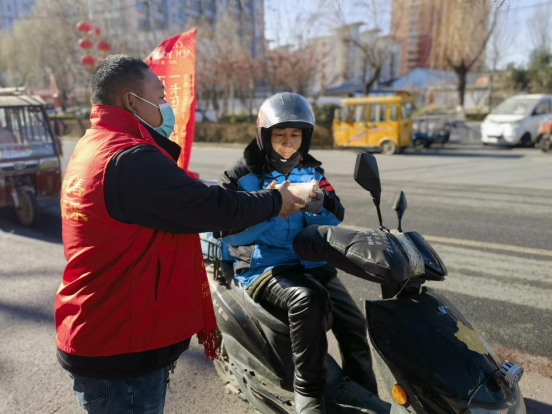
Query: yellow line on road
{"type": "Point", "coordinates": [478, 244]}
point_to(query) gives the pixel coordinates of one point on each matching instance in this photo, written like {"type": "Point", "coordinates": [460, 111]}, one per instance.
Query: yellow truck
{"type": "Point", "coordinates": [374, 121]}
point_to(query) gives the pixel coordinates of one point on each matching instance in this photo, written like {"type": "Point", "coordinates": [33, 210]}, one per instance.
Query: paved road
{"type": "Point", "coordinates": [487, 212]}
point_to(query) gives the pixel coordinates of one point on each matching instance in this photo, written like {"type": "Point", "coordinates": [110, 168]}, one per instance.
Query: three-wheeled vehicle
{"type": "Point", "coordinates": [29, 156]}
{"type": "Point", "coordinates": [430, 129]}
{"type": "Point", "coordinates": [379, 120]}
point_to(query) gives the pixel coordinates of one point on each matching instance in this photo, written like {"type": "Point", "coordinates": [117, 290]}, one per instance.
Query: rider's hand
{"type": "Point", "coordinates": [316, 203]}
{"type": "Point", "coordinates": [316, 200]}
{"type": "Point", "coordinates": [290, 203]}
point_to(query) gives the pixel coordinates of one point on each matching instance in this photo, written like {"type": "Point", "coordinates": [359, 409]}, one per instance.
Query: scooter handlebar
{"type": "Point", "coordinates": [373, 255]}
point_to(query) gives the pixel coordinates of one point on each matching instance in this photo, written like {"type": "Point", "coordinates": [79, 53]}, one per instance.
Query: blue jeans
{"type": "Point", "coordinates": [141, 395]}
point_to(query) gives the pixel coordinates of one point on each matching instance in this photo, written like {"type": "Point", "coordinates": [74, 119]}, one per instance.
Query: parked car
{"type": "Point", "coordinates": [516, 121]}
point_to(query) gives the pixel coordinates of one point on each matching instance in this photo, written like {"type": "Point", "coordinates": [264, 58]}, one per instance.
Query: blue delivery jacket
{"type": "Point", "coordinates": [269, 243]}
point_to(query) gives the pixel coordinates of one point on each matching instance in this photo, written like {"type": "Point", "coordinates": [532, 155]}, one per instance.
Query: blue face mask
{"type": "Point", "coordinates": [167, 125]}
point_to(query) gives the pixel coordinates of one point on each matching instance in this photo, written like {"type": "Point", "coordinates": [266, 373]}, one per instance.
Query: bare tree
{"type": "Point", "coordinates": [539, 28]}
{"type": "Point", "coordinates": [461, 32]}
{"type": "Point", "coordinates": [498, 48]}
{"type": "Point", "coordinates": [298, 61]}
{"type": "Point", "coordinates": [45, 43]}
{"type": "Point", "coordinates": [372, 47]}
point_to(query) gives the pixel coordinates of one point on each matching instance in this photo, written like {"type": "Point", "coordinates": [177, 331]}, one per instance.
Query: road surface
{"type": "Point", "coordinates": [487, 212]}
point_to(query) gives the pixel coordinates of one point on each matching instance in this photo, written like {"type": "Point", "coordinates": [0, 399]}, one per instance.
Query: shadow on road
{"type": "Point", "coordinates": [458, 150]}
{"type": "Point", "coordinates": [49, 228]}
{"type": "Point", "coordinates": [537, 407]}
{"type": "Point", "coordinates": [29, 313]}
{"type": "Point", "coordinates": [437, 153]}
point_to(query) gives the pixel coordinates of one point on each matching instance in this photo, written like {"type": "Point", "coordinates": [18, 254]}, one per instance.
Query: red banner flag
{"type": "Point", "coordinates": [174, 62]}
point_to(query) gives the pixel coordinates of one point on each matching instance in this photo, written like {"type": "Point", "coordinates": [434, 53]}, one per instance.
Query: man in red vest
{"type": "Point", "coordinates": [134, 290]}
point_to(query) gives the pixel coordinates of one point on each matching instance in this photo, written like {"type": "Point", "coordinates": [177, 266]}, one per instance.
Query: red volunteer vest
{"type": "Point", "coordinates": [126, 288]}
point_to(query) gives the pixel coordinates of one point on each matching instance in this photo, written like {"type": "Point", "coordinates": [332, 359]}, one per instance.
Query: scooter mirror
{"type": "Point", "coordinates": [367, 174]}
{"type": "Point", "coordinates": [399, 205]}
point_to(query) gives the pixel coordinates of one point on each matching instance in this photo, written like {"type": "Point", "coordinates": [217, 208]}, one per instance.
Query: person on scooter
{"type": "Point", "coordinates": [271, 272]}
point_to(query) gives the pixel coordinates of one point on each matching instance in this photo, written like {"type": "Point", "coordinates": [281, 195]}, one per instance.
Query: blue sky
{"type": "Point", "coordinates": [280, 16]}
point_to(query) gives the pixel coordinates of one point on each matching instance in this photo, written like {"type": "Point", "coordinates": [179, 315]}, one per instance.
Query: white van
{"type": "Point", "coordinates": [516, 120]}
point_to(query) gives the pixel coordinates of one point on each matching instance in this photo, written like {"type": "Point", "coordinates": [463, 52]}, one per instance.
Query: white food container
{"type": "Point", "coordinates": [302, 190]}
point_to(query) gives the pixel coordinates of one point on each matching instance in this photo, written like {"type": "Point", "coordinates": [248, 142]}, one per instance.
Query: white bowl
{"type": "Point", "coordinates": [302, 190]}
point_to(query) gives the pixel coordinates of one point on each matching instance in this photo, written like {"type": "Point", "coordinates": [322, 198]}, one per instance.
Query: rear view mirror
{"type": "Point", "coordinates": [400, 207]}
{"type": "Point", "coordinates": [367, 174]}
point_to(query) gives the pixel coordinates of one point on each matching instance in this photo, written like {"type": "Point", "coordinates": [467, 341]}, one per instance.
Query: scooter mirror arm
{"type": "Point", "coordinates": [381, 226]}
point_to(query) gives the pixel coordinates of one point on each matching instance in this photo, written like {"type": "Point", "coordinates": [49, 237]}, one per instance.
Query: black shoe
{"type": "Point", "coordinates": [309, 405]}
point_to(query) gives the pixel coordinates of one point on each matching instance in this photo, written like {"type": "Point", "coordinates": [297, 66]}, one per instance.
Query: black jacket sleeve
{"type": "Point", "coordinates": [143, 186]}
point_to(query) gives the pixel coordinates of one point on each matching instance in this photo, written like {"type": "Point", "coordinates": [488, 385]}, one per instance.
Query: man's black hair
{"type": "Point", "coordinates": [115, 73]}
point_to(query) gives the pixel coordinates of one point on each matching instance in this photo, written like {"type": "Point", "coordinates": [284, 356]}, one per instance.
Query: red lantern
{"type": "Point", "coordinates": [104, 46]}
{"type": "Point", "coordinates": [96, 31]}
{"type": "Point", "coordinates": [88, 61]}
{"type": "Point", "coordinates": [86, 44]}
{"type": "Point", "coordinates": [84, 27]}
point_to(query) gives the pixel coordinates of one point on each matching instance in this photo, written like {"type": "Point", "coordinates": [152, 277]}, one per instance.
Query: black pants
{"type": "Point", "coordinates": [309, 305]}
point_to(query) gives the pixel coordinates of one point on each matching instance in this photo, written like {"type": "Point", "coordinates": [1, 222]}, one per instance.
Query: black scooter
{"type": "Point", "coordinates": [432, 360]}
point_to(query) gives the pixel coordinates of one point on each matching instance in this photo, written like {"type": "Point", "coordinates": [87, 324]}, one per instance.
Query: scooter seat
{"type": "Point", "coordinates": [272, 317]}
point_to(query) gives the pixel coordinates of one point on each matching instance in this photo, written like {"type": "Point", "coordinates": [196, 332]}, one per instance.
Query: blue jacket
{"type": "Point", "coordinates": [269, 243]}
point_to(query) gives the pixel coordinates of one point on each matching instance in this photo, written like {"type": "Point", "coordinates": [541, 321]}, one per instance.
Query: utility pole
{"type": "Point", "coordinates": [91, 10]}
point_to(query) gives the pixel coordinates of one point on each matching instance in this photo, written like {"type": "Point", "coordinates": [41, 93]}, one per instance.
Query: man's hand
{"type": "Point", "coordinates": [290, 203]}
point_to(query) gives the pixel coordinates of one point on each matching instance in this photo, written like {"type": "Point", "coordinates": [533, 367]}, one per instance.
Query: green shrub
{"type": "Point", "coordinates": [238, 119]}
{"type": "Point", "coordinates": [475, 116]}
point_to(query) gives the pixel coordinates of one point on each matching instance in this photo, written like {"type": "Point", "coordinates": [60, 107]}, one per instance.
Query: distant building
{"type": "Point", "coordinates": [11, 10]}
{"type": "Point", "coordinates": [143, 16]}
{"type": "Point", "coordinates": [344, 67]}
{"type": "Point", "coordinates": [413, 23]}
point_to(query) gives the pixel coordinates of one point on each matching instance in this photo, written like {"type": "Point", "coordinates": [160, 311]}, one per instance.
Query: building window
{"type": "Point", "coordinates": [413, 31]}
{"type": "Point", "coordinates": [143, 24]}
{"type": "Point", "coordinates": [412, 53]}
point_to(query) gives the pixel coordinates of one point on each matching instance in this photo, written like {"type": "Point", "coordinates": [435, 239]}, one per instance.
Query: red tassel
{"type": "Point", "coordinates": [209, 342]}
